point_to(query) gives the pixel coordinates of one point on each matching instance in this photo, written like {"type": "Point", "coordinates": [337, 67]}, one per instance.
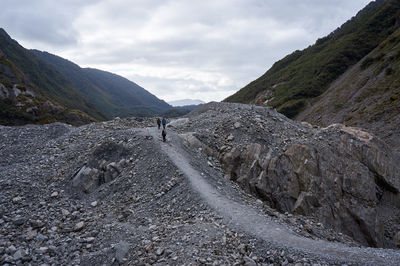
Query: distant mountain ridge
{"type": "Point", "coordinates": [113, 94]}
{"type": "Point", "coordinates": [185, 102]}
{"type": "Point", "coordinates": [292, 82]}
{"type": "Point", "coordinates": [34, 92]}
{"type": "Point", "coordinates": [38, 87]}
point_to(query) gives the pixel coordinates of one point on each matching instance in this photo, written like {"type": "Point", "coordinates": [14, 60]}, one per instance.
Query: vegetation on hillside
{"type": "Point", "coordinates": [110, 93]}
{"type": "Point", "coordinates": [45, 78]}
{"type": "Point", "coordinates": [306, 74]}
{"type": "Point", "coordinates": [365, 96]}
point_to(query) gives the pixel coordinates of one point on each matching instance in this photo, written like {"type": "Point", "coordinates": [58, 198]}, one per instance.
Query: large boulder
{"type": "Point", "coordinates": [86, 180]}
{"type": "Point", "coordinates": [345, 181]}
{"type": "Point", "coordinates": [104, 165]}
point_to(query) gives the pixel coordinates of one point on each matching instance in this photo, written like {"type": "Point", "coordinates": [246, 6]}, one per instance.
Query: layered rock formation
{"type": "Point", "coordinates": [347, 178]}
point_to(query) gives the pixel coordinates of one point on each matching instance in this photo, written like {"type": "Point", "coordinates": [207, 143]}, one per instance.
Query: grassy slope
{"type": "Point", "coordinates": [307, 74]}
{"type": "Point", "coordinates": [367, 95]}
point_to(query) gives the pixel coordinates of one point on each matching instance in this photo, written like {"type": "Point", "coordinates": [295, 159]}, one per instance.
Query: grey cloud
{"type": "Point", "coordinates": [222, 45]}
{"type": "Point", "coordinates": [47, 22]}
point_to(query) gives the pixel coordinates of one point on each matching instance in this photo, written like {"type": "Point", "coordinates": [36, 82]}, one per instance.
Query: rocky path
{"type": "Point", "coordinates": [140, 201]}
{"type": "Point", "coordinates": [246, 218]}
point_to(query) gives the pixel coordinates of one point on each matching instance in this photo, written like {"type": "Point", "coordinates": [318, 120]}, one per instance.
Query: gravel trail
{"type": "Point", "coordinates": [248, 219]}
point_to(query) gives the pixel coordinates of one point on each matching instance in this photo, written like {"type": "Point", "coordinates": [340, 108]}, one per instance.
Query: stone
{"type": "Point", "coordinates": [149, 247]}
{"type": "Point", "coordinates": [237, 125]}
{"type": "Point", "coordinates": [65, 212]}
{"type": "Point", "coordinates": [18, 254]}
{"type": "Point", "coordinates": [242, 248]}
{"type": "Point", "coordinates": [43, 250]}
{"type": "Point", "coordinates": [249, 262]}
{"type": "Point", "coordinates": [18, 221]}
{"type": "Point", "coordinates": [17, 199]}
{"type": "Point", "coordinates": [31, 234]}
{"type": "Point", "coordinates": [90, 239]}
{"type": "Point", "coordinates": [37, 224]}
{"type": "Point", "coordinates": [121, 251]}
{"type": "Point", "coordinates": [191, 140]}
{"type": "Point", "coordinates": [41, 237]}
{"type": "Point", "coordinates": [159, 251]}
{"type": "Point", "coordinates": [86, 179]}
{"type": "Point", "coordinates": [11, 249]}
{"type": "Point", "coordinates": [79, 226]}
{"type": "Point", "coordinates": [94, 203]}
{"type": "Point", "coordinates": [112, 171]}
{"type": "Point", "coordinates": [54, 194]}
{"type": "Point", "coordinates": [396, 239]}
{"type": "Point", "coordinates": [308, 227]}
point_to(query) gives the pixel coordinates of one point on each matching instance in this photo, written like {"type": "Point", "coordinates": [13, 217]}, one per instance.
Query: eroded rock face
{"type": "Point", "coordinates": [104, 166]}
{"type": "Point", "coordinates": [346, 177]}
{"type": "Point", "coordinates": [344, 183]}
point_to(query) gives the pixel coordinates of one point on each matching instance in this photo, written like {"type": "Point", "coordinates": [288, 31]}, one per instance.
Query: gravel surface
{"type": "Point", "coordinates": [113, 193]}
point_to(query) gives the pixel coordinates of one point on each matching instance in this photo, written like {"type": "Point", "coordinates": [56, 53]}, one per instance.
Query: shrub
{"type": "Point", "coordinates": [367, 62]}
{"type": "Point", "coordinates": [292, 108]}
{"type": "Point", "coordinates": [389, 71]}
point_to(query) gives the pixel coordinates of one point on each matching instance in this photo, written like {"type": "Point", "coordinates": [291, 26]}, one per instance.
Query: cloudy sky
{"type": "Point", "coordinates": [176, 49]}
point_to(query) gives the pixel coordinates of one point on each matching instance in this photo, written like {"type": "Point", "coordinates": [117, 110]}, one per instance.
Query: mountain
{"type": "Point", "coordinates": [185, 102]}
{"type": "Point", "coordinates": [110, 93]}
{"type": "Point", "coordinates": [22, 102]}
{"type": "Point", "coordinates": [38, 87]}
{"type": "Point", "coordinates": [292, 82]}
{"type": "Point", "coordinates": [367, 95]}
{"type": "Point", "coordinates": [44, 80]}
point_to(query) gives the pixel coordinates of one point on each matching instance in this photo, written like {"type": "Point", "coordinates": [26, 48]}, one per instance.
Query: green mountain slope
{"type": "Point", "coordinates": [303, 75]}
{"type": "Point", "coordinates": [46, 80]}
{"type": "Point", "coordinates": [21, 101]}
{"type": "Point", "coordinates": [131, 98]}
{"type": "Point", "coordinates": [110, 93]}
{"type": "Point", "coordinates": [367, 95]}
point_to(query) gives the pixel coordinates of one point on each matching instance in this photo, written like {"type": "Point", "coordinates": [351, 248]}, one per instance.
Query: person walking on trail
{"type": "Point", "coordinates": [164, 123]}
{"type": "Point", "coordinates": [164, 135]}
{"type": "Point", "coordinates": [158, 123]}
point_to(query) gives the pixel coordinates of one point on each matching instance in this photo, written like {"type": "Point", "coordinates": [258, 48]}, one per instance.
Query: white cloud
{"type": "Point", "coordinates": [175, 48]}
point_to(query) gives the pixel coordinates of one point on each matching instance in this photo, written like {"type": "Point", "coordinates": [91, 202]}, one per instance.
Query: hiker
{"type": "Point", "coordinates": [158, 123]}
{"type": "Point", "coordinates": [164, 135]}
{"type": "Point", "coordinates": [164, 123]}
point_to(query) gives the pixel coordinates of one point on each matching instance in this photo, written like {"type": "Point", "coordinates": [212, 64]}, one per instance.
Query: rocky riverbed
{"type": "Point", "coordinates": [108, 193]}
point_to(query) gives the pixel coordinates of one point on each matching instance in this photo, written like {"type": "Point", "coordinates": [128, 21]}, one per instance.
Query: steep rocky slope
{"type": "Point", "coordinates": [113, 193]}
{"type": "Point", "coordinates": [347, 178]}
{"type": "Point", "coordinates": [306, 74]}
{"type": "Point", "coordinates": [367, 95]}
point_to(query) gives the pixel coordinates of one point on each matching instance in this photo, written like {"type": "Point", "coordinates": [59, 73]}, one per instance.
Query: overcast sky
{"type": "Point", "coordinates": [176, 49]}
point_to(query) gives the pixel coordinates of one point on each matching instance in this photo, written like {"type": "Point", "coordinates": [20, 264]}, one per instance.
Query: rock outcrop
{"type": "Point", "coordinates": [347, 178]}
{"type": "Point", "coordinates": [101, 168]}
